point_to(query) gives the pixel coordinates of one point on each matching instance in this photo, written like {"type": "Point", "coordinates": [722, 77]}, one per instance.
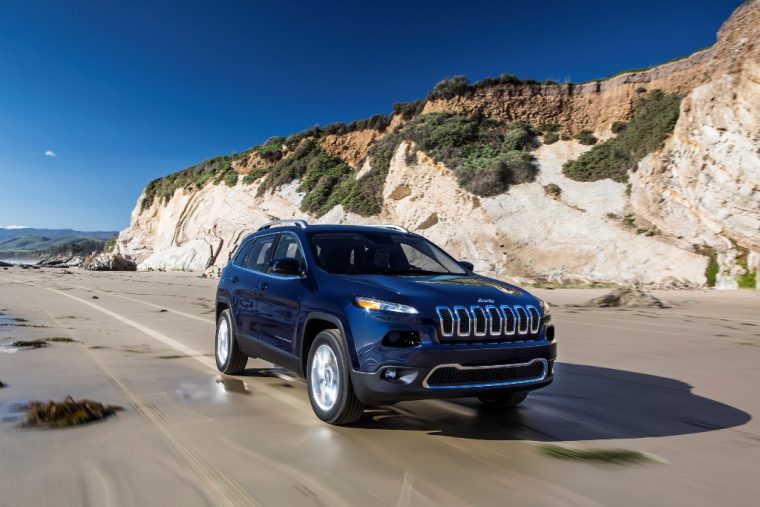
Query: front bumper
{"type": "Point", "coordinates": [412, 382]}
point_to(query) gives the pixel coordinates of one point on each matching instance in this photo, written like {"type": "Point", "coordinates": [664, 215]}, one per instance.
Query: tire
{"type": "Point", "coordinates": [328, 381]}
{"type": "Point", "coordinates": [502, 399]}
{"type": "Point", "coordinates": [234, 360]}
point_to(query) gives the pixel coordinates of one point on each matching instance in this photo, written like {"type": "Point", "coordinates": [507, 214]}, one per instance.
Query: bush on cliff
{"type": "Point", "coordinates": [654, 116]}
{"type": "Point", "coordinates": [486, 156]}
{"type": "Point", "coordinates": [216, 168]}
{"type": "Point", "coordinates": [586, 137]}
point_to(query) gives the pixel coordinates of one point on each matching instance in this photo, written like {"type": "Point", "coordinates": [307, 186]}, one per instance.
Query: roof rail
{"type": "Point", "coordinates": [280, 223]}
{"type": "Point", "coordinates": [389, 226]}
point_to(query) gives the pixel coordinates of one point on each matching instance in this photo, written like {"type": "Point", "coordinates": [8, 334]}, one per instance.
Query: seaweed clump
{"type": "Point", "coordinates": [69, 412]}
{"type": "Point", "coordinates": [30, 344]}
{"type": "Point", "coordinates": [613, 456]}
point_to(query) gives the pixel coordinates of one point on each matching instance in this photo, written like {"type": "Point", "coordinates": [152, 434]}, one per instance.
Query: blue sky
{"type": "Point", "coordinates": [124, 92]}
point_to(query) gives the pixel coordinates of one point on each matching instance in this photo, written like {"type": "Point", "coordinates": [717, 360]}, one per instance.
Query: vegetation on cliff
{"type": "Point", "coordinates": [654, 116]}
{"type": "Point", "coordinates": [218, 169]}
{"type": "Point", "coordinates": [486, 156]}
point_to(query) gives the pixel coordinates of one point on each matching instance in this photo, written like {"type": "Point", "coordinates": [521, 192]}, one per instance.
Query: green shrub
{"type": "Point", "coordinates": [195, 176]}
{"type": "Point", "coordinates": [503, 79]}
{"type": "Point", "coordinates": [110, 245]}
{"type": "Point", "coordinates": [551, 138]}
{"type": "Point", "coordinates": [618, 126]}
{"type": "Point", "coordinates": [456, 86]}
{"type": "Point", "coordinates": [586, 137]}
{"type": "Point", "coordinates": [655, 114]}
{"type": "Point", "coordinates": [553, 190]}
{"type": "Point", "coordinates": [230, 178]}
{"type": "Point", "coordinates": [712, 269]}
{"type": "Point", "coordinates": [409, 110]}
{"type": "Point", "coordinates": [364, 196]}
{"type": "Point", "coordinates": [254, 175]}
{"type": "Point", "coordinates": [747, 280]}
{"type": "Point", "coordinates": [291, 168]}
{"type": "Point", "coordinates": [485, 155]}
{"type": "Point", "coordinates": [547, 128]}
{"type": "Point", "coordinates": [271, 151]}
{"type": "Point", "coordinates": [323, 175]}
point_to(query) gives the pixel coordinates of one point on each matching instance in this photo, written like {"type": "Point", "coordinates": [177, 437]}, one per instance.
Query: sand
{"type": "Point", "coordinates": [678, 385]}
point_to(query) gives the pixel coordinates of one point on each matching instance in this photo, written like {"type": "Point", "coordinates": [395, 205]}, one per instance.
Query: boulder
{"type": "Point", "coordinates": [629, 298]}
{"type": "Point", "coordinates": [108, 262]}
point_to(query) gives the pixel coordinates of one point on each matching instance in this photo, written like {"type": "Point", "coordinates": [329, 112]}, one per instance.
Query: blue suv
{"type": "Point", "coordinates": [374, 315]}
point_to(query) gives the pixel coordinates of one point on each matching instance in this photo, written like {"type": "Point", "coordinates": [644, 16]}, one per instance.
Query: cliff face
{"type": "Point", "coordinates": [704, 186]}
{"type": "Point", "coordinates": [593, 105]}
{"type": "Point", "coordinates": [701, 189]}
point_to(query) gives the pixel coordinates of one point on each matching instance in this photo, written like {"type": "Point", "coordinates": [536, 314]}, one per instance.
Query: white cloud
{"type": "Point", "coordinates": [14, 227]}
{"type": "Point", "coordinates": [50, 153]}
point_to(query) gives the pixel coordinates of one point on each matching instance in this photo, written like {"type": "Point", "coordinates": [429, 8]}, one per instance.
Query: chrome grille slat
{"type": "Point", "coordinates": [523, 325]}
{"type": "Point", "coordinates": [463, 317]}
{"type": "Point", "coordinates": [479, 326]}
{"type": "Point", "coordinates": [495, 320]}
{"type": "Point", "coordinates": [535, 319]}
{"type": "Point", "coordinates": [446, 319]}
{"type": "Point", "coordinates": [490, 322]}
{"type": "Point", "coordinates": [510, 326]}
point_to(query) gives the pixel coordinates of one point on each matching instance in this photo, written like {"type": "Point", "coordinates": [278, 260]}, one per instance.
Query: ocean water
{"type": "Point", "coordinates": [20, 261]}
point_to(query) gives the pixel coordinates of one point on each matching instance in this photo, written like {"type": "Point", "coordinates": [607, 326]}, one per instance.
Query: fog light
{"type": "Point", "coordinates": [390, 374]}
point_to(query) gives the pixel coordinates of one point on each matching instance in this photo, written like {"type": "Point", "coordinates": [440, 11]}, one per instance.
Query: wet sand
{"type": "Point", "coordinates": [678, 384]}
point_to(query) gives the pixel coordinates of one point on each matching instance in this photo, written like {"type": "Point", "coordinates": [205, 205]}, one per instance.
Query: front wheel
{"type": "Point", "coordinates": [503, 399]}
{"type": "Point", "coordinates": [329, 381]}
{"type": "Point", "coordinates": [230, 360]}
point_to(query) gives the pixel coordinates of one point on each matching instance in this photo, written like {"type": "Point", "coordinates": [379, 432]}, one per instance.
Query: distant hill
{"type": "Point", "coordinates": [30, 243]}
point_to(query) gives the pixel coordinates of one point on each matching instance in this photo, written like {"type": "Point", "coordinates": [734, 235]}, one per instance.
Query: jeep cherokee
{"type": "Point", "coordinates": [374, 315]}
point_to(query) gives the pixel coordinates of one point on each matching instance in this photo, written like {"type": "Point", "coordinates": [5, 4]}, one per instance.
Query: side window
{"type": "Point", "coordinates": [242, 252]}
{"type": "Point", "coordinates": [289, 247]}
{"type": "Point", "coordinates": [259, 257]}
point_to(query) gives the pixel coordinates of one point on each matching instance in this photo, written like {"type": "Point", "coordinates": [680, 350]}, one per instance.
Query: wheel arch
{"type": "Point", "coordinates": [315, 323]}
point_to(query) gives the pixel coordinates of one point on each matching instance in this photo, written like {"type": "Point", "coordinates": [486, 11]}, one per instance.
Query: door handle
{"type": "Point", "coordinates": [263, 286]}
{"type": "Point", "coordinates": [235, 279]}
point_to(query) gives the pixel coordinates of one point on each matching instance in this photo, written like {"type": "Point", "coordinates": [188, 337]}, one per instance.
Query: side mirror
{"type": "Point", "coordinates": [285, 266]}
{"type": "Point", "coordinates": [469, 266]}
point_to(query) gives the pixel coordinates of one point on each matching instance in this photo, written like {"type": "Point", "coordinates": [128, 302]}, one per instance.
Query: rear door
{"type": "Point", "coordinates": [256, 262]}
{"type": "Point", "coordinates": [279, 298]}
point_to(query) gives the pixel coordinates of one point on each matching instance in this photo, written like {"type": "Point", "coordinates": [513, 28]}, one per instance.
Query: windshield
{"type": "Point", "coordinates": [381, 252]}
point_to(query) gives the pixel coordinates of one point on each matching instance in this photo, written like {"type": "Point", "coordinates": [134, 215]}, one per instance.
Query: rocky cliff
{"type": "Point", "coordinates": [686, 214]}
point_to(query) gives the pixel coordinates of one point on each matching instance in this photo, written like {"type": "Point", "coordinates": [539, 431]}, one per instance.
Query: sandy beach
{"type": "Point", "coordinates": [677, 384]}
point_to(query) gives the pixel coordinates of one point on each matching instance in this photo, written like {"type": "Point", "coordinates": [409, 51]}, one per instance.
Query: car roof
{"type": "Point", "coordinates": [324, 228]}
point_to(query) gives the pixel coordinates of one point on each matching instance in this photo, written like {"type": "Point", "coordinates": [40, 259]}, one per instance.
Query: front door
{"type": "Point", "coordinates": [278, 298]}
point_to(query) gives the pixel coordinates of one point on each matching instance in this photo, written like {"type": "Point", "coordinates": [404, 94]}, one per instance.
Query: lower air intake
{"type": "Point", "coordinates": [473, 376]}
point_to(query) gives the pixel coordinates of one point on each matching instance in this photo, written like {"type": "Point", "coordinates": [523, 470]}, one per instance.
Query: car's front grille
{"type": "Point", "coordinates": [480, 376]}
{"type": "Point", "coordinates": [490, 322]}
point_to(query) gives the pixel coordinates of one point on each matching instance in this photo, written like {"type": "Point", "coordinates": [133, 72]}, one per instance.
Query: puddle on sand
{"type": "Point", "coordinates": [13, 411]}
{"type": "Point", "coordinates": [232, 385]}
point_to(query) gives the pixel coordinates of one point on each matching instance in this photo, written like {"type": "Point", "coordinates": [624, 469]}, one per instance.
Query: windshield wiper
{"type": "Point", "coordinates": [416, 272]}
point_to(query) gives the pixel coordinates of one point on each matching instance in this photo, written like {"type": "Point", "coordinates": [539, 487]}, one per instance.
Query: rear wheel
{"type": "Point", "coordinates": [229, 358]}
{"type": "Point", "coordinates": [503, 399]}
{"type": "Point", "coordinates": [329, 381]}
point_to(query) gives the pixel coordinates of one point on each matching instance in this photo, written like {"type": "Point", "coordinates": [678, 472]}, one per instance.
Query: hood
{"type": "Point", "coordinates": [427, 292]}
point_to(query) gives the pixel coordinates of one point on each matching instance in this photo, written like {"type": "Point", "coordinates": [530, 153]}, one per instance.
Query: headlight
{"type": "Point", "coordinates": [546, 311]}
{"type": "Point", "coordinates": [371, 304]}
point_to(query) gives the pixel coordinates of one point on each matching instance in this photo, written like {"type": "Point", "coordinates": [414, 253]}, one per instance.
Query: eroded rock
{"type": "Point", "coordinates": [628, 298]}
{"type": "Point", "coordinates": [109, 262]}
